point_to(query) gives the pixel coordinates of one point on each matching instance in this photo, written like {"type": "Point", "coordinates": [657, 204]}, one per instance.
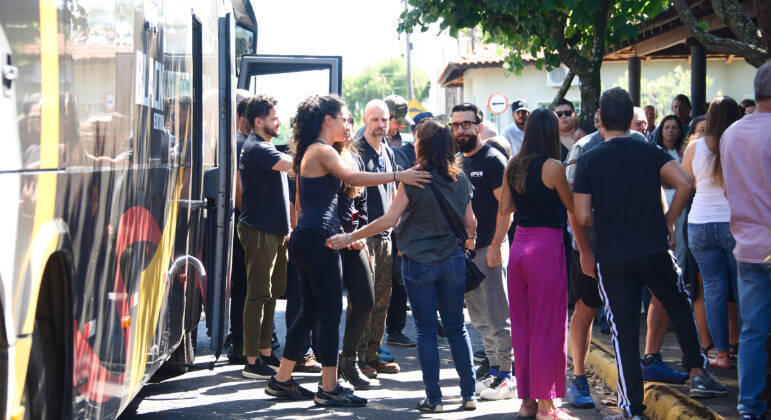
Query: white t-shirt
{"type": "Point", "coordinates": [515, 136]}
{"type": "Point", "coordinates": [709, 204]}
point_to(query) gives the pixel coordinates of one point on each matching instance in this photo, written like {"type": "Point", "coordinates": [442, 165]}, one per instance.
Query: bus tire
{"type": "Point", "coordinates": [37, 402]}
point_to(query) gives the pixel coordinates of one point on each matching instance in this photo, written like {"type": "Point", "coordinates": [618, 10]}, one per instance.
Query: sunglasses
{"type": "Point", "coordinates": [565, 113]}
{"type": "Point", "coordinates": [465, 124]}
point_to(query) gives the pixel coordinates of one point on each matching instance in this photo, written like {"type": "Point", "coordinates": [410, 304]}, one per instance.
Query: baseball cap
{"type": "Point", "coordinates": [420, 117]}
{"type": "Point", "coordinates": [519, 105]}
{"type": "Point", "coordinates": [397, 107]}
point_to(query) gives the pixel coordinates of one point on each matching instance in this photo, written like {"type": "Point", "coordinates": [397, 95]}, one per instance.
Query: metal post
{"type": "Point", "coordinates": [410, 92]}
{"type": "Point", "coordinates": [633, 66]}
{"type": "Point", "coordinates": [698, 79]}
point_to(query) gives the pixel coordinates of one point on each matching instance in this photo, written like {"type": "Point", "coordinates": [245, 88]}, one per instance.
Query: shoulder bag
{"type": "Point", "coordinates": [474, 275]}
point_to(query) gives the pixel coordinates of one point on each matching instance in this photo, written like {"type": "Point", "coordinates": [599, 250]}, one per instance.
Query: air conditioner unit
{"type": "Point", "coordinates": [556, 76]}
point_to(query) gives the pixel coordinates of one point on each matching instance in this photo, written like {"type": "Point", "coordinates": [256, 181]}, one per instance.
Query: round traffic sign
{"type": "Point", "coordinates": [497, 103]}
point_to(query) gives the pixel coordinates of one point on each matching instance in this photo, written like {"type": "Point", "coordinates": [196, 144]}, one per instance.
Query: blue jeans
{"type": "Point", "coordinates": [754, 301]}
{"type": "Point", "coordinates": [442, 285]}
{"type": "Point", "coordinates": [712, 246]}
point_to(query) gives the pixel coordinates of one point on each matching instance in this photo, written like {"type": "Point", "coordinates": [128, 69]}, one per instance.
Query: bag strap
{"type": "Point", "coordinates": [450, 221]}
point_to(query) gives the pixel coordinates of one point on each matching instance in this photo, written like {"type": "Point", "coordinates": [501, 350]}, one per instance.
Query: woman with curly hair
{"type": "Point", "coordinates": [319, 124]}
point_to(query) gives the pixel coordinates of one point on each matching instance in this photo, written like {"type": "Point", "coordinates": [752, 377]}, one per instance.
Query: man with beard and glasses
{"type": "Point", "coordinates": [487, 305]}
{"type": "Point", "coordinates": [263, 231]}
{"type": "Point", "coordinates": [377, 157]}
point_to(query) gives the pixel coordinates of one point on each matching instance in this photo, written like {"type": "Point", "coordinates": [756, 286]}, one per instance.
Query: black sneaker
{"type": "Point", "coordinates": [258, 370]}
{"type": "Point", "coordinates": [706, 387]}
{"type": "Point", "coordinates": [271, 360]}
{"type": "Point", "coordinates": [339, 397]}
{"type": "Point", "coordinates": [236, 355]}
{"type": "Point", "coordinates": [399, 339]}
{"type": "Point", "coordinates": [289, 390]}
{"type": "Point", "coordinates": [428, 408]}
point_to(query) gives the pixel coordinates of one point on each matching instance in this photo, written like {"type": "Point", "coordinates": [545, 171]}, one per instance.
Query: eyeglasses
{"type": "Point", "coordinates": [348, 120]}
{"type": "Point", "coordinates": [565, 113]}
{"type": "Point", "coordinates": [467, 125]}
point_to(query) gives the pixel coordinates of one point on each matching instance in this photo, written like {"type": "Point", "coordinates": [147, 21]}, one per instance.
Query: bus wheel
{"type": "Point", "coordinates": [39, 403]}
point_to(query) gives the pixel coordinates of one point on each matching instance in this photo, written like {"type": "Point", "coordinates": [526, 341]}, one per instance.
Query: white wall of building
{"type": "Point", "coordinates": [734, 79]}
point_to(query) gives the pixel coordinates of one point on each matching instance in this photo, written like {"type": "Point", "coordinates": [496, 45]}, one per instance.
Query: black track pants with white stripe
{"type": "Point", "coordinates": [620, 288]}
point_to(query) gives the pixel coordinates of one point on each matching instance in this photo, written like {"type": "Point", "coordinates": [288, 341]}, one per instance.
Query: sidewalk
{"type": "Point", "coordinates": [664, 401]}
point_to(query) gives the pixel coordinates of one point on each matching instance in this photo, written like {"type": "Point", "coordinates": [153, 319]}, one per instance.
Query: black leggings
{"type": "Point", "coordinates": [321, 281]}
{"type": "Point", "coordinates": [357, 277]}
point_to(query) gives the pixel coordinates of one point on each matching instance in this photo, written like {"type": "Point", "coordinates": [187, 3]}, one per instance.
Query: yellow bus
{"type": "Point", "coordinates": [116, 176]}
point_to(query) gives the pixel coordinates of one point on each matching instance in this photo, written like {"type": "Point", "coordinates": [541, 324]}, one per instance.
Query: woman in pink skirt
{"type": "Point", "coordinates": [536, 188]}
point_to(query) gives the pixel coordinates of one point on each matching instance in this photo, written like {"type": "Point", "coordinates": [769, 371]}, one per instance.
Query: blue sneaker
{"type": "Point", "coordinates": [385, 355]}
{"type": "Point", "coordinates": [659, 371]}
{"type": "Point", "coordinates": [578, 394]}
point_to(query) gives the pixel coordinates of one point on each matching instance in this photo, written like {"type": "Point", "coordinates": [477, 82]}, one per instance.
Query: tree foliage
{"type": "Point", "coordinates": [753, 42]}
{"type": "Point", "coordinates": [574, 32]}
{"type": "Point", "coordinates": [380, 80]}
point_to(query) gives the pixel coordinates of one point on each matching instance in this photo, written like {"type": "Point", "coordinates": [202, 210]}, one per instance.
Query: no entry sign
{"type": "Point", "coordinates": [497, 103]}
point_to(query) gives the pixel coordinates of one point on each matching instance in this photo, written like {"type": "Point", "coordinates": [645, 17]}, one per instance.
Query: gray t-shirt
{"type": "Point", "coordinates": [423, 234]}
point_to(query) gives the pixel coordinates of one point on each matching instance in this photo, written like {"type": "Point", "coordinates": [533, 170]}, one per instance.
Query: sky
{"type": "Point", "coordinates": [363, 32]}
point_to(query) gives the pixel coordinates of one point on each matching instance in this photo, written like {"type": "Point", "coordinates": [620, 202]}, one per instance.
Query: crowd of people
{"type": "Point", "coordinates": [629, 213]}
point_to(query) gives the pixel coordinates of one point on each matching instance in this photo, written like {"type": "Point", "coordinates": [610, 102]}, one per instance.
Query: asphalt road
{"type": "Point", "coordinates": [224, 393]}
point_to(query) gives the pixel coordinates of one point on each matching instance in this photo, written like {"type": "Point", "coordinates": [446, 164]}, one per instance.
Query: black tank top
{"type": "Point", "coordinates": [540, 205]}
{"type": "Point", "coordinates": [318, 203]}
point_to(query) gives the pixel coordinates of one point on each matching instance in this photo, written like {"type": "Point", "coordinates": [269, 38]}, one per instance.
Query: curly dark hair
{"type": "Point", "coordinates": [306, 124]}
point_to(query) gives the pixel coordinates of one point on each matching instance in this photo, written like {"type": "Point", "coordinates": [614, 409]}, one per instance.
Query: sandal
{"type": "Point", "coordinates": [733, 352]}
{"type": "Point", "coordinates": [558, 413]}
{"type": "Point", "coordinates": [710, 352]}
{"type": "Point", "coordinates": [528, 411]}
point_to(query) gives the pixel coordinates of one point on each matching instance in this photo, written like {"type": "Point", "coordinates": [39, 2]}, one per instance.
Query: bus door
{"type": "Point", "coordinates": [290, 79]}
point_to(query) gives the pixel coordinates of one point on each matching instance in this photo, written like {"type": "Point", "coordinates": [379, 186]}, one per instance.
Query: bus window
{"type": "Point", "coordinates": [244, 44]}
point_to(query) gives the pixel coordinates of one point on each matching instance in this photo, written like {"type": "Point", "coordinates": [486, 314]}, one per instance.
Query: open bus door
{"type": "Point", "coordinates": [290, 79]}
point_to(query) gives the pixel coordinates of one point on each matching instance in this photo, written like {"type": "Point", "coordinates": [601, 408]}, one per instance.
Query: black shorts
{"type": "Point", "coordinates": [582, 286]}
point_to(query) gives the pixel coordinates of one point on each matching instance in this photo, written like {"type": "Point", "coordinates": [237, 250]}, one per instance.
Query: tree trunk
{"type": "Point", "coordinates": [591, 86]}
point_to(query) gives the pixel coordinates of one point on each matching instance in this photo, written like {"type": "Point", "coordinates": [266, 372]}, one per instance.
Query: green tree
{"type": "Point", "coordinates": [380, 80]}
{"type": "Point", "coordinates": [659, 92]}
{"type": "Point", "coordinates": [574, 32]}
{"type": "Point", "coordinates": [751, 41]}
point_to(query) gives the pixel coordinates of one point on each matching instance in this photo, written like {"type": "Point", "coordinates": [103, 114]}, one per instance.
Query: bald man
{"type": "Point", "coordinates": [377, 157]}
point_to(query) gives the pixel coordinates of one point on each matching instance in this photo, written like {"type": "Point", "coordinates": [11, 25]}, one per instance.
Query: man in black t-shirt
{"type": "Point", "coordinates": [263, 227]}
{"type": "Point", "coordinates": [621, 179]}
{"type": "Point", "coordinates": [488, 305]}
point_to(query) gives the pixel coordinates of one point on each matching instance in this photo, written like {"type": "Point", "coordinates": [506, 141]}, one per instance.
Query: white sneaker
{"type": "Point", "coordinates": [501, 389]}
{"type": "Point", "coordinates": [484, 383]}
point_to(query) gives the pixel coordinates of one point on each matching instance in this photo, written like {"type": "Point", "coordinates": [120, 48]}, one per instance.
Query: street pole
{"type": "Point", "coordinates": [410, 92]}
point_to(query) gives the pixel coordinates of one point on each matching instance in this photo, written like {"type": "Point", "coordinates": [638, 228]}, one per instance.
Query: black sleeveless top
{"type": "Point", "coordinates": [540, 206]}
{"type": "Point", "coordinates": [318, 203]}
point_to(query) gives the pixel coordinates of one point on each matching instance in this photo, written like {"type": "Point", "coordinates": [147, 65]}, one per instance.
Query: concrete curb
{"type": "Point", "coordinates": [661, 401]}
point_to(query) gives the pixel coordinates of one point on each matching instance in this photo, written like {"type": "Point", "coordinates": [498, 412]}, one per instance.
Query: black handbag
{"type": "Point", "coordinates": [474, 275]}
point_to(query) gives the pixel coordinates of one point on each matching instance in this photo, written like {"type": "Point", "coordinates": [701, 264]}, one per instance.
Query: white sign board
{"type": "Point", "coordinates": [498, 103]}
